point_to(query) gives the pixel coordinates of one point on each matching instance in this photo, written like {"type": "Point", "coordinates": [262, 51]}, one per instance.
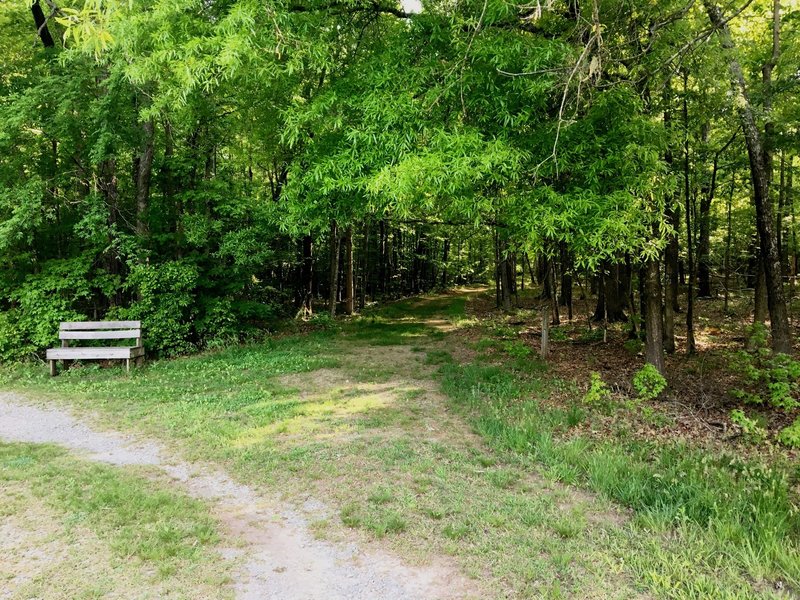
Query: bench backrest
{"type": "Point", "coordinates": [101, 330]}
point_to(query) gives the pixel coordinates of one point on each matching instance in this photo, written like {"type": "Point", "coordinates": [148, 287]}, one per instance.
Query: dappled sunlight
{"type": "Point", "coordinates": [333, 410]}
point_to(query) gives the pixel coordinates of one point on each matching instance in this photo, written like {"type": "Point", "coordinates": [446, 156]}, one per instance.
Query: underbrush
{"type": "Point", "coordinates": [730, 507]}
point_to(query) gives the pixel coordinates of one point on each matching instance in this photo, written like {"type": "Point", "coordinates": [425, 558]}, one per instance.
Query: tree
{"type": "Point", "coordinates": [760, 175]}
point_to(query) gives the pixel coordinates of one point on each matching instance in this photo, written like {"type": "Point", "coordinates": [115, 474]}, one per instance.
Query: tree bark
{"type": "Point", "coordinates": [779, 238]}
{"type": "Point", "coordinates": [690, 343]}
{"type": "Point", "coordinates": [612, 294]}
{"type": "Point", "coordinates": [728, 243]}
{"type": "Point", "coordinates": [551, 275]}
{"type": "Point", "coordinates": [565, 297]}
{"type": "Point", "coordinates": [308, 275]}
{"type": "Point", "coordinates": [505, 278]}
{"type": "Point", "coordinates": [445, 258]}
{"type": "Point", "coordinates": [365, 268]}
{"type": "Point", "coordinates": [349, 296]}
{"type": "Point", "coordinates": [334, 267]}
{"type": "Point", "coordinates": [143, 177]}
{"type": "Point", "coordinates": [761, 301]}
{"type": "Point", "coordinates": [654, 335]}
{"type": "Point", "coordinates": [671, 290]}
{"type": "Point", "coordinates": [672, 249]}
{"type": "Point", "coordinates": [759, 174]}
{"type": "Point", "coordinates": [704, 244]}
{"type": "Point", "coordinates": [41, 25]}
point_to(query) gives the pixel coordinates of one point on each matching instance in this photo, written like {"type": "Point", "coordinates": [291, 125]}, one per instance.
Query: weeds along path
{"type": "Point", "coordinates": [279, 558]}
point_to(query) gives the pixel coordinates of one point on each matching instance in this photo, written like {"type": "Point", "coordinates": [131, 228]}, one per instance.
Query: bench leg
{"type": "Point", "coordinates": [52, 368]}
{"type": "Point", "coordinates": [127, 365]}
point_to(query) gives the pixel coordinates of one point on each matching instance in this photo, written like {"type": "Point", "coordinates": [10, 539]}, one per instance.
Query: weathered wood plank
{"type": "Point", "coordinates": [96, 353]}
{"type": "Point", "coordinates": [111, 334]}
{"type": "Point", "coordinates": [93, 325]}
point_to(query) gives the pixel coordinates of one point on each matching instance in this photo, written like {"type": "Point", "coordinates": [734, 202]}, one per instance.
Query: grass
{"type": "Point", "coordinates": [720, 506]}
{"type": "Point", "coordinates": [346, 414]}
{"type": "Point", "coordinates": [124, 528]}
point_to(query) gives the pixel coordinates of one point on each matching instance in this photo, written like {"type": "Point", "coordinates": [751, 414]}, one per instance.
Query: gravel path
{"type": "Point", "coordinates": [281, 560]}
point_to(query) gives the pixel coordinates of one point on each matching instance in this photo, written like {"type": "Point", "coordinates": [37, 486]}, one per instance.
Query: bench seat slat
{"type": "Point", "coordinates": [96, 353]}
{"type": "Point", "coordinates": [112, 334]}
{"type": "Point", "coordinates": [94, 325]}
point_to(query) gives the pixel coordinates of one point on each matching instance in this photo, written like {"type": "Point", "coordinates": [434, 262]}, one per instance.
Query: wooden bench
{"type": "Point", "coordinates": [97, 330]}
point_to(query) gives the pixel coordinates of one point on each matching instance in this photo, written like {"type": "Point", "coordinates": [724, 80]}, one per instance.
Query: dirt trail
{"type": "Point", "coordinates": [280, 558]}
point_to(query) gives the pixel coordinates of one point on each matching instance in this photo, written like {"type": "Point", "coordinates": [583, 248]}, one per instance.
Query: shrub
{"type": "Point", "coordinates": [42, 301]}
{"type": "Point", "coordinates": [750, 427]}
{"type": "Point", "coordinates": [165, 304]}
{"type": "Point", "coordinates": [648, 383]}
{"type": "Point", "coordinates": [772, 379]}
{"type": "Point", "coordinates": [598, 393]}
{"type": "Point", "coordinates": [791, 434]}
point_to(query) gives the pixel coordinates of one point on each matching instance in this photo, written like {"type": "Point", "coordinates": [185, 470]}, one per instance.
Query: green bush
{"type": "Point", "coordinates": [750, 427]}
{"type": "Point", "coordinates": [165, 304]}
{"type": "Point", "coordinates": [791, 435]}
{"type": "Point", "coordinates": [771, 379]}
{"type": "Point", "coordinates": [13, 341]}
{"type": "Point", "coordinates": [598, 394]}
{"type": "Point", "coordinates": [42, 301]}
{"type": "Point", "coordinates": [648, 383]}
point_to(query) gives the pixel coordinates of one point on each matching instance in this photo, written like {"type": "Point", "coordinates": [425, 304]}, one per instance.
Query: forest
{"type": "Point", "coordinates": [511, 286]}
{"type": "Point", "coordinates": [213, 168]}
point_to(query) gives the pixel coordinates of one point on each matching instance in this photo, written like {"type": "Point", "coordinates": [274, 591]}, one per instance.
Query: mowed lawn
{"type": "Point", "coordinates": [440, 445]}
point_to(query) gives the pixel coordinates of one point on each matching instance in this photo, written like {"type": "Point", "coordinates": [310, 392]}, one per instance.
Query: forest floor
{"type": "Point", "coordinates": [418, 451]}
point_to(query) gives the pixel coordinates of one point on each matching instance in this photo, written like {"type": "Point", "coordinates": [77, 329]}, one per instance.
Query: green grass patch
{"type": "Point", "coordinates": [741, 510]}
{"type": "Point", "coordinates": [138, 519]}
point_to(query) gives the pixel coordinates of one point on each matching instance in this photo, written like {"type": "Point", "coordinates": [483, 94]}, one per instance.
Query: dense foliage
{"type": "Point", "coordinates": [209, 167]}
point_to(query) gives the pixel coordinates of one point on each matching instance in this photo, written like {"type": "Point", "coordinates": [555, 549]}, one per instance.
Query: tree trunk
{"type": "Point", "coordinates": [759, 174]}
{"type": "Point", "coordinates": [704, 245]}
{"type": "Point", "coordinates": [728, 243]}
{"type": "Point", "coordinates": [790, 203]}
{"type": "Point", "coordinates": [41, 25]}
{"type": "Point", "coordinates": [565, 297]}
{"type": "Point", "coordinates": [349, 296]}
{"type": "Point", "coordinates": [551, 274]}
{"type": "Point", "coordinates": [672, 250]}
{"type": "Point", "coordinates": [334, 267]}
{"type": "Point", "coordinates": [761, 302]}
{"type": "Point", "coordinates": [612, 294]}
{"type": "Point", "coordinates": [445, 258]}
{"type": "Point", "coordinates": [545, 349]}
{"type": "Point", "coordinates": [143, 176]}
{"type": "Point", "coordinates": [307, 276]}
{"type": "Point", "coordinates": [383, 240]}
{"type": "Point", "coordinates": [497, 272]}
{"type": "Point", "coordinates": [365, 268]}
{"type": "Point", "coordinates": [109, 188]}
{"type": "Point", "coordinates": [671, 291]}
{"type": "Point", "coordinates": [654, 335]}
{"type": "Point", "coordinates": [690, 343]}
{"type": "Point", "coordinates": [505, 279]}
{"type": "Point", "coordinates": [779, 238]}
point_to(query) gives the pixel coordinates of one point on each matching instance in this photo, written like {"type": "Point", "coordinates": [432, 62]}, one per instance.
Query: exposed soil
{"type": "Point", "coordinates": [279, 558]}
